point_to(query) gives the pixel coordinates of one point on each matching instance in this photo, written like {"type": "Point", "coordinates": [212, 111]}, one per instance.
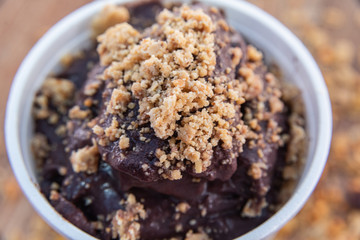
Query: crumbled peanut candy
{"type": "Point", "coordinates": [256, 169]}
{"type": "Point", "coordinates": [124, 142]}
{"type": "Point", "coordinates": [167, 79]}
{"type": "Point", "coordinates": [85, 159]}
{"type": "Point", "coordinates": [61, 130]}
{"type": "Point", "coordinates": [40, 146]}
{"type": "Point", "coordinates": [59, 91]}
{"type": "Point", "coordinates": [55, 92]}
{"type": "Point", "coordinates": [236, 56]}
{"type": "Point", "coordinates": [113, 132]}
{"type": "Point", "coordinates": [66, 60]}
{"type": "Point", "coordinates": [98, 130]}
{"type": "Point", "coordinates": [254, 83]}
{"type": "Point", "coordinates": [125, 223]}
{"type": "Point", "coordinates": [276, 105]}
{"type": "Point", "coordinates": [120, 98]}
{"type": "Point", "coordinates": [54, 195]}
{"type": "Point", "coordinates": [222, 23]}
{"type": "Point", "coordinates": [76, 113]}
{"type": "Point", "coordinates": [254, 54]}
{"type": "Point", "coordinates": [254, 207]}
{"type": "Point", "coordinates": [298, 139]}
{"type": "Point", "coordinates": [109, 16]}
{"type": "Point", "coordinates": [92, 88]}
{"type": "Point", "coordinates": [41, 109]}
{"type": "Point", "coordinates": [190, 235]}
{"type": "Point", "coordinates": [182, 207]}
{"type": "Point", "coordinates": [114, 43]}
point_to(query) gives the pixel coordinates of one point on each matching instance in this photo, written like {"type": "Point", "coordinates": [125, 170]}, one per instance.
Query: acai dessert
{"type": "Point", "coordinates": [169, 126]}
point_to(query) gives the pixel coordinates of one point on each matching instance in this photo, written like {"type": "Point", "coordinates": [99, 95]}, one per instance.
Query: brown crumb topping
{"type": "Point", "coordinates": [54, 97]}
{"type": "Point", "coordinates": [254, 207]}
{"type": "Point", "coordinates": [109, 16]}
{"type": "Point", "coordinates": [166, 74]}
{"type": "Point", "coordinates": [256, 170]}
{"type": "Point", "coordinates": [40, 147]}
{"type": "Point", "coordinates": [119, 100]}
{"type": "Point", "coordinates": [76, 113]}
{"type": "Point", "coordinates": [190, 235]}
{"type": "Point", "coordinates": [182, 207]}
{"type": "Point", "coordinates": [85, 159]}
{"type": "Point", "coordinates": [124, 142]}
{"type": "Point", "coordinates": [125, 223]}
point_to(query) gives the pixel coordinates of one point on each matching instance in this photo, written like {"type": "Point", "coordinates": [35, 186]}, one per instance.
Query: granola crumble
{"type": "Point", "coordinates": [125, 222]}
{"type": "Point", "coordinates": [109, 16]}
{"type": "Point", "coordinates": [85, 159]}
{"type": "Point", "coordinates": [171, 88]}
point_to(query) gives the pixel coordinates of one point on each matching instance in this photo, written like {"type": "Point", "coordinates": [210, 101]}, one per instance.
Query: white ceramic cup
{"type": "Point", "coordinates": [72, 33]}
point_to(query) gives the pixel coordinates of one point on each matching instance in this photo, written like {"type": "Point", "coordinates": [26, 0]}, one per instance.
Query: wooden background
{"type": "Point", "coordinates": [329, 28]}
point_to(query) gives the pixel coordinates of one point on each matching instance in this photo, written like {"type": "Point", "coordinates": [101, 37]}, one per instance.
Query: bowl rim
{"type": "Point", "coordinates": [269, 227]}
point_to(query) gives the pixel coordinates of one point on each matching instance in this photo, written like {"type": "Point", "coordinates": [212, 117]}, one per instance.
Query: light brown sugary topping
{"type": "Point", "coordinates": [120, 98]}
{"type": "Point", "coordinates": [125, 223]}
{"type": "Point", "coordinates": [92, 88]}
{"type": "Point", "coordinates": [256, 170]}
{"type": "Point", "coordinates": [109, 16]}
{"type": "Point", "coordinates": [182, 207]}
{"type": "Point", "coordinates": [57, 93]}
{"type": "Point", "coordinates": [85, 159]}
{"type": "Point", "coordinates": [40, 147]}
{"type": "Point", "coordinates": [76, 113]}
{"type": "Point", "coordinates": [254, 207]}
{"type": "Point", "coordinates": [115, 43]}
{"type": "Point", "coordinates": [167, 74]}
{"type": "Point", "coordinates": [190, 235]}
{"type": "Point", "coordinates": [124, 142]}
{"type": "Point", "coordinates": [254, 54]}
{"type": "Point", "coordinates": [54, 195]}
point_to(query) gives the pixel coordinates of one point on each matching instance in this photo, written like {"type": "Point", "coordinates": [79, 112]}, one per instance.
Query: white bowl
{"type": "Point", "coordinates": [72, 33]}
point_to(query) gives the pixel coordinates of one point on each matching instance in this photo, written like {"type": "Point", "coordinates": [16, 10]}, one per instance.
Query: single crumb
{"type": "Point", "coordinates": [85, 159]}
{"type": "Point", "coordinates": [254, 207]}
{"type": "Point", "coordinates": [125, 222]}
{"type": "Point", "coordinates": [40, 147]}
{"type": "Point", "coordinates": [254, 54]}
{"type": "Point", "coordinates": [66, 60]}
{"type": "Point", "coordinates": [61, 130]}
{"type": "Point", "coordinates": [54, 195]}
{"type": "Point", "coordinates": [119, 100]}
{"type": "Point", "coordinates": [236, 56]}
{"type": "Point", "coordinates": [109, 16]}
{"type": "Point", "coordinates": [276, 105]}
{"type": "Point", "coordinates": [76, 113]}
{"type": "Point", "coordinates": [222, 23]}
{"type": "Point", "coordinates": [98, 130]}
{"type": "Point", "coordinates": [256, 170]}
{"type": "Point", "coordinates": [124, 142]}
{"type": "Point", "coordinates": [182, 207]}
{"type": "Point", "coordinates": [62, 171]}
{"type": "Point", "coordinates": [190, 235]}
{"type": "Point", "coordinates": [92, 88]}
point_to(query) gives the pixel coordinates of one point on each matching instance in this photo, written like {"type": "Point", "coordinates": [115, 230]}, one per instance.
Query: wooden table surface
{"type": "Point", "coordinates": [329, 28]}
